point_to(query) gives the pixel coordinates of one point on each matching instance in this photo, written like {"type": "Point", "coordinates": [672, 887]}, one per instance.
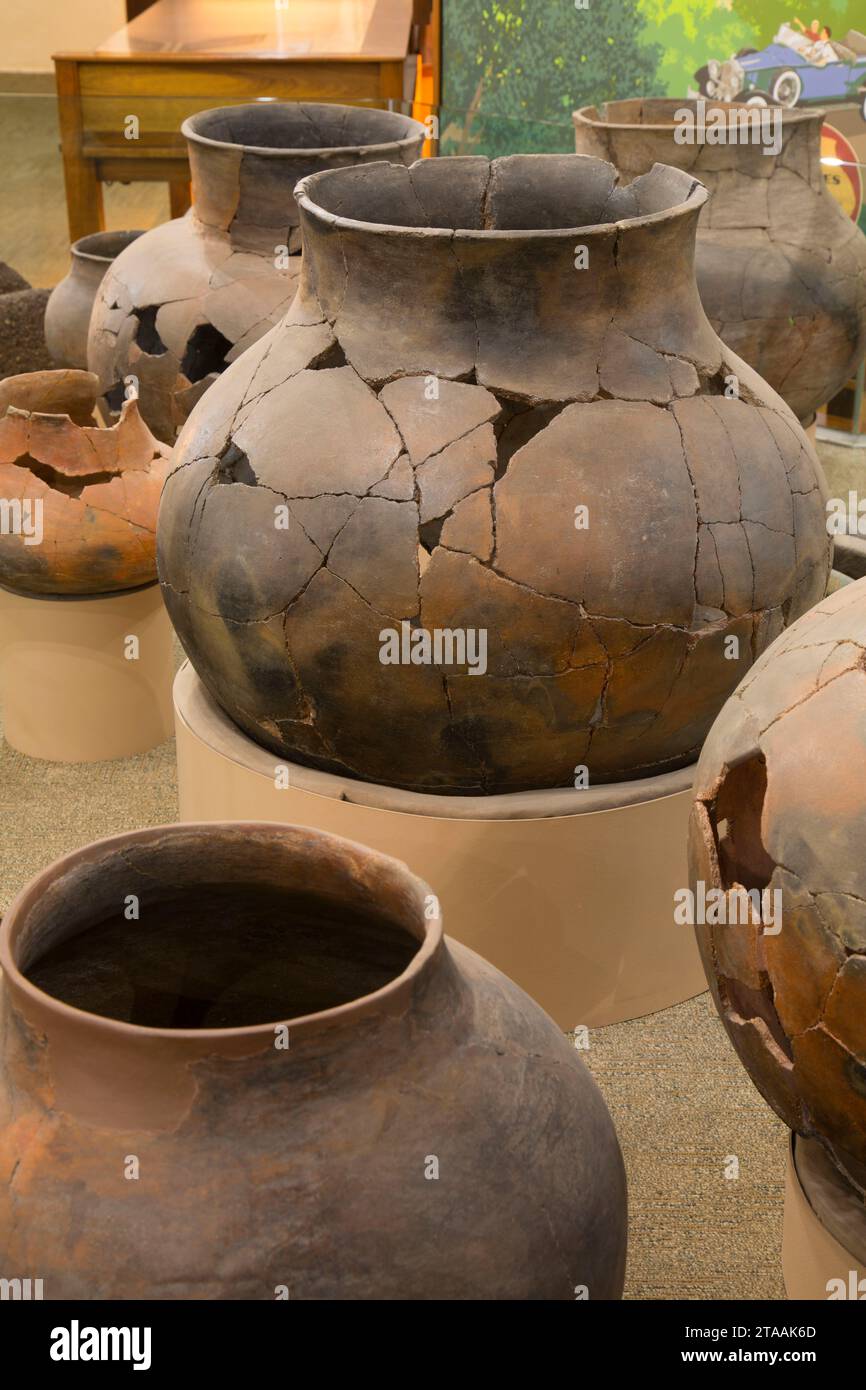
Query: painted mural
{"type": "Point", "coordinates": [514, 70]}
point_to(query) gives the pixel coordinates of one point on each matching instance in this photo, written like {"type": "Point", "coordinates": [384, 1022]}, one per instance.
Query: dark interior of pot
{"type": "Point", "coordinates": [104, 246]}
{"type": "Point", "coordinates": [301, 125]}
{"type": "Point", "coordinates": [223, 949]}
{"type": "Point", "coordinates": [542, 192]}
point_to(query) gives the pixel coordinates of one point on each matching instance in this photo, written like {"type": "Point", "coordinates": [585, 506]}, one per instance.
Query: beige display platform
{"type": "Point", "coordinates": [824, 1235]}
{"type": "Point", "coordinates": [571, 893]}
{"type": "Point", "coordinates": [68, 690]}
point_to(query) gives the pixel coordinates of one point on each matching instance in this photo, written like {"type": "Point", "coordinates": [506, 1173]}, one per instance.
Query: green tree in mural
{"type": "Point", "coordinates": [691, 32]}
{"type": "Point", "coordinates": [764, 16]}
{"type": "Point", "coordinates": [516, 69]}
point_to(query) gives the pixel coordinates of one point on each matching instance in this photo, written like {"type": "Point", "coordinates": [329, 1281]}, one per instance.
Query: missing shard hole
{"type": "Point", "coordinates": [205, 353]}
{"type": "Point", "coordinates": [146, 335]}
{"type": "Point", "coordinates": [735, 817]}
{"type": "Point", "coordinates": [234, 467]}
{"type": "Point", "coordinates": [62, 482]}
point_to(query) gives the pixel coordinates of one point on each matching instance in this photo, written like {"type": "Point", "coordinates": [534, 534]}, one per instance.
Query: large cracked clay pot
{"type": "Point", "coordinates": [323, 1094]}
{"type": "Point", "coordinates": [192, 295]}
{"type": "Point", "coordinates": [70, 304]}
{"type": "Point", "coordinates": [780, 807]}
{"type": "Point", "coordinates": [781, 269]}
{"type": "Point", "coordinates": [432, 461]}
{"type": "Point", "coordinates": [81, 500]}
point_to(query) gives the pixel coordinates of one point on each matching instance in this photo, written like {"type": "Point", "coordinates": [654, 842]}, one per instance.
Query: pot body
{"type": "Point", "coordinates": [436, 1140]}
{"type": "Point", "coordinates": [81, 500]}
{"type": "Point", "coordinates": [781, 269]}
{"type": "Point", "coordinates": [779, 809]}
{"type": "Point", "coordinates": [193, 294]}
{"type": "Point", "coordinates": [532, 439]}
{"type": "Point", "coordinates": [67, 313]}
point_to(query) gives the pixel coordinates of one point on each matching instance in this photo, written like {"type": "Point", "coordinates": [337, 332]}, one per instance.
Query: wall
{"type": "Point", "coordinates": [34, 29]}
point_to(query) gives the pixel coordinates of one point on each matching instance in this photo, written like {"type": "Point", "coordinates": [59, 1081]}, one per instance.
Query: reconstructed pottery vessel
{"type": "Point", "coordinates": [458, 428]}
{"type": "Point", "coordinates": [780, 804]}
{"type": "Point", "coordinates": [323, 1095]}
{"type": "Point", "coordinates": [87, 496]}
{"type": "Point", "coordinates": [781, 269]}
{"type": "Point", "coordinates": [67, 314]}
{"type": "Point", "coordinates": [193, 294]}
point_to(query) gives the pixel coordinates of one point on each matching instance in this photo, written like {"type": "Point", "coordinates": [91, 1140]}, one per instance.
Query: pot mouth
{"type": "Point", "coordinates": [103, 247]}
{"type": "Point", "coordinates": [658, 113]}
{"type": "Point", "coordinates": [64, 391]}
{"type": "Point", "coordinates": [204, 932]}
{"type": "Point", "coordinates": [478, 198]}
{"type": "Point", "coordinates": [287, 129]}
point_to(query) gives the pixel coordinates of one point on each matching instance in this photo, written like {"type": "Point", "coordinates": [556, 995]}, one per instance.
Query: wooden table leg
{"type": "Point", "coordinates": [179, 197]}
{"type": "Point", "coordinates": [83, 188]}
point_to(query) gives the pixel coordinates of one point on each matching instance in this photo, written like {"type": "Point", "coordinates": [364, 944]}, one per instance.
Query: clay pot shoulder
{"type": "Point", "coordinates": [476, 352]}
{"type": "Point", "coordinates": [313, 1164]}
{"type": "Point", "coordinates": [780, 268]}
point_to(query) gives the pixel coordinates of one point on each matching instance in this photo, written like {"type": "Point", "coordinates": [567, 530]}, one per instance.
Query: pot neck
{"type": "Point", "coordinates": [120, 1075]}
{"type": "Point", "coordinates": [525, 312]}
{"type": "Point", "coordinates": [716, 140]}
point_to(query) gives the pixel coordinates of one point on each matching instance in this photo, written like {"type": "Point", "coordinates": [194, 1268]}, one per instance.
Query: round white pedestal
{"type": "Point", "coordinates": [824, 1234]}
{"type": "Point", "coordinates": [85, 679]}
{"type": "Point", "coordinates": [570, 893]}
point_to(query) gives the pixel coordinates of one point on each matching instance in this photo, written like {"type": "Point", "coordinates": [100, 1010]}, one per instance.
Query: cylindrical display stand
{"type": "Point", "coordinates": [569, 892]}
{"type": "Point", "coordinates": [824, 1235]}
{"type": "Point", "coordinates": [85, 679]}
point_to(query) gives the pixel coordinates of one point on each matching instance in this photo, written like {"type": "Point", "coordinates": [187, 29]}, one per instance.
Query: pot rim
{"type": "Point", "coordinates": [80, 251]}
{"type": "Point", "coordinates": [414, 130]}
{"type": "Point", "coordinates": [695, 198]}
{"type": "Point", "coordinates": [430, 942]}
{"type": "Point", "coordinates": [795, 116]}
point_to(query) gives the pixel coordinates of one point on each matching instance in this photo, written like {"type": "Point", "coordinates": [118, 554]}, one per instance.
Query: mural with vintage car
{"type": "Point", "coordinates": [796, 69]}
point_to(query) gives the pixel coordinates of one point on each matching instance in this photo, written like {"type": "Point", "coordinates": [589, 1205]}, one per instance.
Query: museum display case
{"type": "Point", "coordinates": [431, 463]}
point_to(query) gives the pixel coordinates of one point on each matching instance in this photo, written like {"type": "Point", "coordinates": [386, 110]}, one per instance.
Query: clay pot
{"type": "Point", "coordinates": [193, 294]}
{"type": "Point", "coordinates": [780, 805]}
{"type": "Point", "coordinates": [292, 1052]}
{"type": "Point", "coordinates": [81, 500]}
{"type": "Point", "coordinates": [781, 269]}
{"type": "Point", "coordinates": [67, 314]}
{"type": "Point", "coordinates": [459, 430]}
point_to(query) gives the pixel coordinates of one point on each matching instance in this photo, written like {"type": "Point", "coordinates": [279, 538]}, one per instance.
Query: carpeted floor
{"type": "Point", "coordinates": [680, 1099]}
